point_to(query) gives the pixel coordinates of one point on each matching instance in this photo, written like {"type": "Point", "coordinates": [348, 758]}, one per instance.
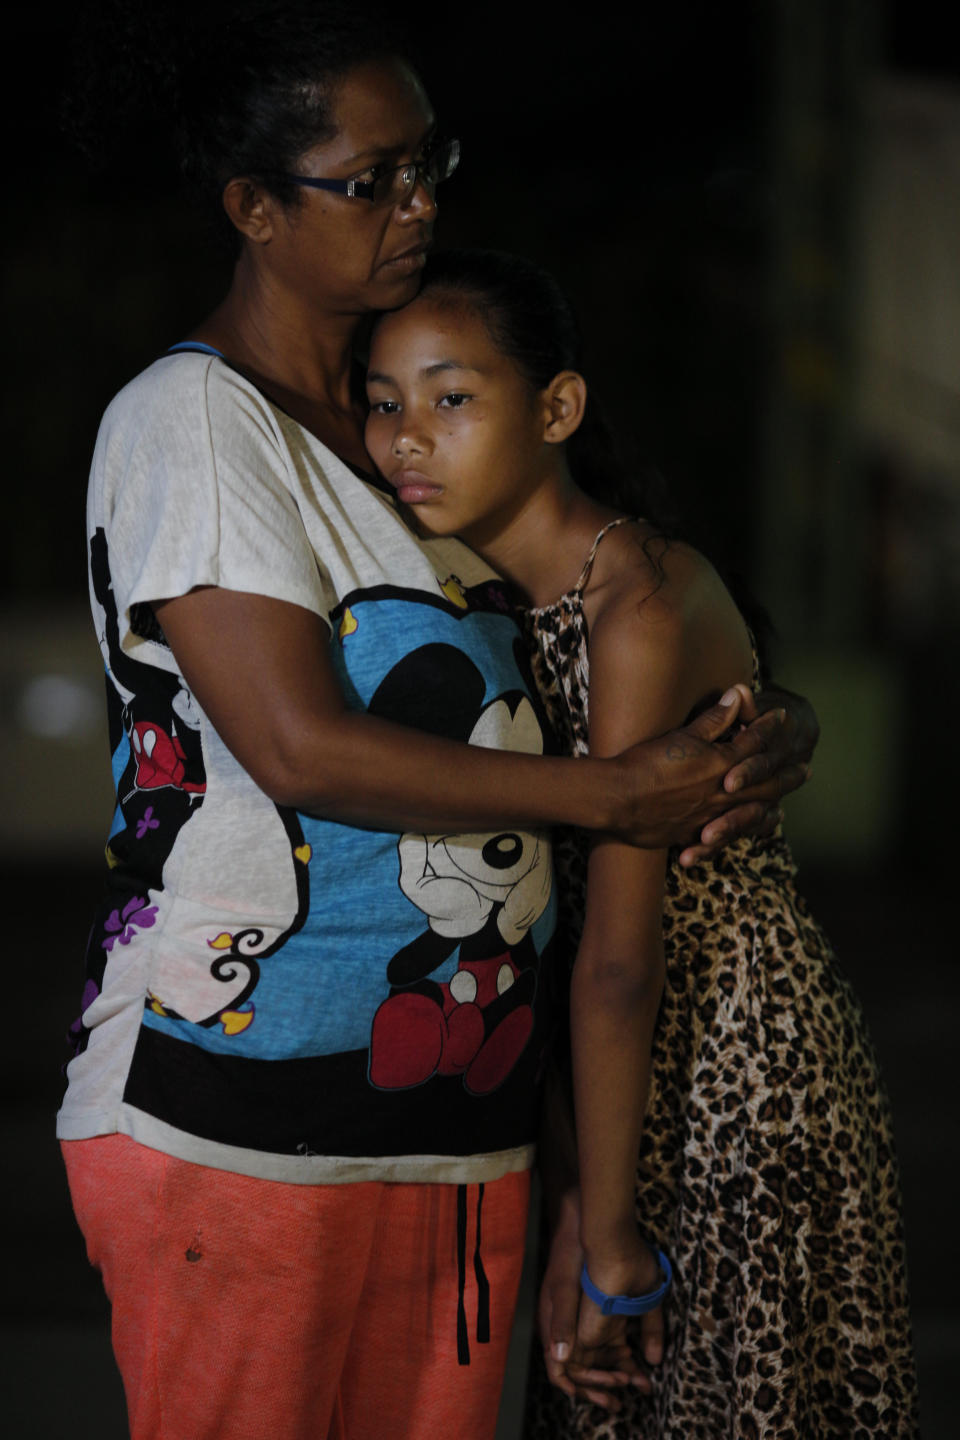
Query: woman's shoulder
{"type": "Point", "coordinates": [186, 397]}
{"type": "Point", "coordinates": [183, 378]}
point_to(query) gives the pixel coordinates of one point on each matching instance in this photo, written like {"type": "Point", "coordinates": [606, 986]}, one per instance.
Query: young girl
{"type": "Point", "coordinates": [711, 1031]}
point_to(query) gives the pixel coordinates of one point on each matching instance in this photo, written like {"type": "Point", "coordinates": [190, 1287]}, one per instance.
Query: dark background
{"type": "Point", "coordinates": [664, 166]}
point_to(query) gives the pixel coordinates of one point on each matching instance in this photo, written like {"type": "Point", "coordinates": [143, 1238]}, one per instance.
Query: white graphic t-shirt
{"type": "Point", "coordinates": [267, 991]}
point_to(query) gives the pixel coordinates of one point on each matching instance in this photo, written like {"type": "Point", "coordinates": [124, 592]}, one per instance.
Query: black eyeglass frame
{"type": "Point", "coordinates": [413, 171]}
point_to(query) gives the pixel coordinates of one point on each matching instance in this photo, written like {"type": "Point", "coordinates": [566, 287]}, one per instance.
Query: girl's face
{"type": "Point", "coordinates": [453, 425]}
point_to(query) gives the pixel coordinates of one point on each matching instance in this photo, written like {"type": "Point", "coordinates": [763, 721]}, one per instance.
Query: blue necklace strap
{"type": "Point", "coordinates": [195, 345]}
{"type": "Point", "coordinates": [629, 1304]}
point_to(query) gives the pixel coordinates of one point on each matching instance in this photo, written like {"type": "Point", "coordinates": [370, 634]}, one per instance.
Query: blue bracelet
{"type": "Point", "coordinates": [629, 1304]}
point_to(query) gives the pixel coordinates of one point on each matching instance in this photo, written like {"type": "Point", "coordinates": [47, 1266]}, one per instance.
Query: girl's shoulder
{"type": "Point", "coordinates": [662, 599]}
{"type": "Point", "coordinates": [641, 573]}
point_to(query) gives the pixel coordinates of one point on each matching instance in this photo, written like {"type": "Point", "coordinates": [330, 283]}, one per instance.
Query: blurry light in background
{"type": "Point", "coordinates": [56, 795]}
{"type": "Point", "coordinates": [60, 707]}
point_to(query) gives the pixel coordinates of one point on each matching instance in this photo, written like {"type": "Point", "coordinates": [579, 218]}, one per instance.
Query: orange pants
{"type": "Point", "coordinates": [253, 1310]}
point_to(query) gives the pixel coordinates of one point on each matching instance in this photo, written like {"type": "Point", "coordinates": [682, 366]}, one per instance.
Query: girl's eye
{"type": "Point", "coordinates": [455, 401]}
{"type": "Point", "coordinates": [384, 407]}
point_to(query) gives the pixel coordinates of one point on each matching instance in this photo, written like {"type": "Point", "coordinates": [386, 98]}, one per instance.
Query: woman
{"type": "Point", "coordinates": [304, 1089]}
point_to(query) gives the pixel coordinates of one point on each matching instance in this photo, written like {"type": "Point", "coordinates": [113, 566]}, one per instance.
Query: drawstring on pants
{"type": "Point", "coordinates": [483, 1284]}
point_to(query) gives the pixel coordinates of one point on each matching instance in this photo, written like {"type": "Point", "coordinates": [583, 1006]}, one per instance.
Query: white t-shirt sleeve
{"type": "Point", "coordinates": [191, 484]}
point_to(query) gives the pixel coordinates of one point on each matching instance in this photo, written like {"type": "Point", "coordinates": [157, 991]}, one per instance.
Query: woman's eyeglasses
{"type": "Point", "coordinates": [394, 185]}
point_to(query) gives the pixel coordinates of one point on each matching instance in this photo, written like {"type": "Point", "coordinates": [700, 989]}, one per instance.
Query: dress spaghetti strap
{"type": "Point", "coordinates": [584, 575]}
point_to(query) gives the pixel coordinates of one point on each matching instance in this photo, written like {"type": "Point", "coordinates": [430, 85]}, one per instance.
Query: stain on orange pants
{"type": "Point", "coordinates": [248, 1309]}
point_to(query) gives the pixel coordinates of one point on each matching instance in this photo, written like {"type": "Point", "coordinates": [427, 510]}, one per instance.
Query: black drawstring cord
{"type": "Point", "coordinates": [483, 1284]}
{"type": "Point", "coordinates": [463, 1345]}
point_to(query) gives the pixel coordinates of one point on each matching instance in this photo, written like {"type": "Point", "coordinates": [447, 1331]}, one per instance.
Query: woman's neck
{"type": "Point", "coordinates": [301, 359]}
{"type": "Point", "coordinates": [542, 548]}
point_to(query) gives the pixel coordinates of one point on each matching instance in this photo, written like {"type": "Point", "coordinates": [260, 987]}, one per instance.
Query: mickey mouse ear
{"type": "Point", "coordinates": [509, 723]}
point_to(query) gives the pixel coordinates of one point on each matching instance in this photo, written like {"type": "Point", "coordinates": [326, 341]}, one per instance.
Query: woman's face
{"type": "Point", "coordinates": [453, 425]}
{"type": "Point", "coordinates": [348, 254]}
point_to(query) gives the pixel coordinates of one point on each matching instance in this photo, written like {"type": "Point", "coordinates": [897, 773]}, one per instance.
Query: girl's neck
{"type": "Point", "coordinates": [542, 548]}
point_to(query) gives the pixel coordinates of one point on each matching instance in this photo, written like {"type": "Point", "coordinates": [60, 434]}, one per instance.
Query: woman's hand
{"type": "Point", "coordinates": [801, 729]}
{"type": "Point", "coordinates": [711, 782]}
{"type": "Point", "coordinates": [558, 1317]}
{"type": "Point", "coordinates": [782, 758]}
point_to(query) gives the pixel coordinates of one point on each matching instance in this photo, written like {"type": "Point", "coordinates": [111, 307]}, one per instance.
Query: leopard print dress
{"type": "Point", "coordinates": [766, 1169]}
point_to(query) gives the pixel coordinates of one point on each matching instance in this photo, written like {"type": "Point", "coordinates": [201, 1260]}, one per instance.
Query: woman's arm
{"type": "Point", "coordinates": [260, 669]}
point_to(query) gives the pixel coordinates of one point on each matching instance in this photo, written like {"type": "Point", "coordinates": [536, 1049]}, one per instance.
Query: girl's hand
{"type": "Point", "coordinates": [558, 1317]}
{"type": "Point", "coordinates": [602, 1339]}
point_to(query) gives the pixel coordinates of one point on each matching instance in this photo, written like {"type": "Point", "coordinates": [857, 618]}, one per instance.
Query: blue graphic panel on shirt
{"type": "Point", "coordinates": [159, 778]}
{"type": "Point", "coordinates": [424, 948]}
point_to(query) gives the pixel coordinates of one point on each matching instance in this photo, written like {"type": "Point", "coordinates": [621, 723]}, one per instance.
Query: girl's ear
{"type": "Point", "coordinates": [565, 400]}
{"type": "Point", "coordinates": [249, 208]}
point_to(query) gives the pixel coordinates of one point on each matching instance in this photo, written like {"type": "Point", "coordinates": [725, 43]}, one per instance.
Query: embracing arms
{"type": "Point", "coordinates": [261, 670]}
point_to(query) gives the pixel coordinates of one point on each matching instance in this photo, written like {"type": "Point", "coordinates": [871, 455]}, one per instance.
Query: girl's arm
{"type": "Point", "coordinates": [650, 663]}
{"type": "Point", "coordinates": [260, 669]}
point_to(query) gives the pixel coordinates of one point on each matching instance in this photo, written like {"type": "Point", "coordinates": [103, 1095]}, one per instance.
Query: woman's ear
{"type": "Point", "coordinates": [249, 208]}
{"type": "Point", "coordinates": [565, 400]}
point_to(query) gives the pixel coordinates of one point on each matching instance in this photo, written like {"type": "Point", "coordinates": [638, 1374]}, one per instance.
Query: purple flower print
{"type": "Point", "coordinates": [90, 992]}
{"type": "Point", "coordinates": [75, 1034]}
{"type": "Point", "coordinates": [146, 823]}
{"type": "Point", "coordinates": [123, 924]}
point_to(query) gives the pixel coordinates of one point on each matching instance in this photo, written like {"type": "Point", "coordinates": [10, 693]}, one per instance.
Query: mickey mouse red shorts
{"type": "Point", "coordinates": [248, 1309]}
